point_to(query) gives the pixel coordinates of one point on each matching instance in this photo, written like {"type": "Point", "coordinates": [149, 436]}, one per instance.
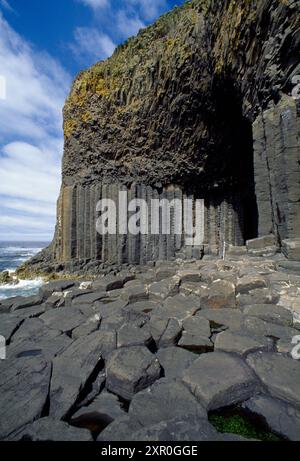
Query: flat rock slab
{"type": "Point", "coordinates": [189, 428]}
{"type": "Point", "coordinates": [51, 430]}
{"type": "Point", "coordinates": [241, 344]}
{"type": "Point", "coordinates": [64, 319]}
{"type": "Point", "coordinates": [179, 307]}
{"type": "Point", "coordinates": [174, 361]}
{"type": "Point", "coordinates": [71, 372]}
{"type": "Point", "coordinates": [45, 347]}
{"type": "Point", "coordinates": [280, 374]}
{"type": "Point", "coordinates": [120, 430]}
{"type": "Point", "coordinates": [195, 342]}
{"type": "Point", "coordinates": [58, 286]}
{"type": "Point", "coordinates": [110, 308]}
{"type": "Point", "coordinates": [221, 294]}
{"type": "Point", "coordinates": [8, 325]}
{"type": "Point", "coordinates": [99, 414]}
{"type": "Point", "coordinates": [29, 301]}
{"type": "Point", "coordinates": [165, 331]}
{"type": "Point", "coordinates": [34, 329]}
{"type": "Point", "coordinates": [89, 298]}
{"type": "Point", "coordinates": [164, 289]}
{"type": "Point", "coordinates": [130, 335]}
{"type": "Point", "coordinates": [219, 379]}
{"type": "Point", "coordinates": [249, 282]}
{"type": "Point", "coordinates": [157, 403]}
{"type": "Point", "coordinates": [271, 313]}
{"type": "Point", "coordinates": [130, 370]}
{"type": "Point", "coordinates": [24, 387]}
{"type": "Point", "coordinates": [89, 326]}
{"type": "Point", "coordinates": [230, 318]}
{"type": "Point", "coordinates": [257, 327]}
{"type": "Point", "coordinates": [197, 326]}
{"type": "Point", "coordinates": [283, 419]}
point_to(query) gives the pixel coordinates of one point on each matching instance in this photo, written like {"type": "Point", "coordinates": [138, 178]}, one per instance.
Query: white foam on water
{"type": "Point", "coordinates": [23, 288]}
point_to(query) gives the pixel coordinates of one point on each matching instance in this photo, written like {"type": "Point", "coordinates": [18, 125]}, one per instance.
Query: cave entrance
{"type": "Point", "coordinates": [234, 162]}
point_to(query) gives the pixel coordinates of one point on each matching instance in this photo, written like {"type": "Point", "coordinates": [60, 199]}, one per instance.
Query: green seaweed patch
{"type": "Point", "coordinates": [234, 421]}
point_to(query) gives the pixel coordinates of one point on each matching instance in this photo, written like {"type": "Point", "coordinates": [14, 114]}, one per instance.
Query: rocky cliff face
{"type": "Point", "coordinates": [197, 105]}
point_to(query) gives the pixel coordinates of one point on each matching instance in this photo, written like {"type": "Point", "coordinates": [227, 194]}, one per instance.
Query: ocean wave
{"type": "Point", "coordinates": [23, 288]}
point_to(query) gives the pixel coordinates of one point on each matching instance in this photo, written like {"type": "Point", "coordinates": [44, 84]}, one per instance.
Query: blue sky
{"type": "Point", "coordinates": [43, 45]}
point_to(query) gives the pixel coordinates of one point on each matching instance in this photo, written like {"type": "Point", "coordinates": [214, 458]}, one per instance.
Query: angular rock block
{"type": "Point", "coordinates": [165, 331]}
{"type": "Point", "coordinates": [219, 379]}
{"type": "Point", "coordinates": [50, 430]}
{"type": "Point", "coordinates": [188, 428]}
{"type": "Point", "coordinates": [280, 374]}
{"type": "Point", "coordinates": [283, 419]}
{"type": "Point", "coordinates": [291, 249]}
{"type": "Point", "coordinates": [174, 361]}
{"type": "Point", "coordinates": [240, 343]}
{"type": "Point", "coordinates": [250, 282]}
{"type": "Point", "coordinates": [261, 243]}
{"type": "Point", "coordinates": [24, 388]}
{"type": "Point", "coordinates": [71, 372]}
{"type": "Point", "coordinates": [156, 403]}
{"type": "Point", "coordinates": [270, 313]}
{"type": "Point", "coordinates": [221, 294]}
{"type": "Point", "coordinates": [130, 370]}
{"type": "Point", "coordinates": [99, 414]}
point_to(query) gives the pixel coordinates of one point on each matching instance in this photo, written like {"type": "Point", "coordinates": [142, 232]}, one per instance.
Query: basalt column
{"type": "Point", "coordinates": [199, 105]}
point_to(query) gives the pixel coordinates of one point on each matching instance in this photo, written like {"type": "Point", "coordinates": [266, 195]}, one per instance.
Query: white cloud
{"type": "Point", "coordinates": [95, 4]}
{"type": "Point", "coordinates": [128, 26]}
{"type": "Point", "coordinates": [149, 9]}
{"type": "Point", "coordinates": [89, 42]}
{"type": "Point", "coordinates": [31, 139]}
{"type": "Point", "coordinates": [6, 5]}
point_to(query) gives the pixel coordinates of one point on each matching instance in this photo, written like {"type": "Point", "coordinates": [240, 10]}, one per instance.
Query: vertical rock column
{"type": "Point", "coordinates": [277, 169]}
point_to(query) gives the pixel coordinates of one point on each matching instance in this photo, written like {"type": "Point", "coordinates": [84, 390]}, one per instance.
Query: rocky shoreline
{"type": "Point", "coordinates": [105, 359]}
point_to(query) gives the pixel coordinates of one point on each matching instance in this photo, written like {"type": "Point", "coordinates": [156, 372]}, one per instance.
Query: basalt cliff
{"type": "Point", "coordinates": [202, 104]}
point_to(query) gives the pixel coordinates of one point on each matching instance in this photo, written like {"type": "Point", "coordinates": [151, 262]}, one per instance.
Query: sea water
{"type": "Point", "coordinates": [12, 255]}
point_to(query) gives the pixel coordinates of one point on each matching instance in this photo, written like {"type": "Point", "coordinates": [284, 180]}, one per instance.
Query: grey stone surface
{"type": "Point", "coordinates": [291, 249]}
{"type": "Point", "coordinates": [174, 360]}
{"type": "Point", "coordinates": [60, 285]}
{"type": "Point", "coordinates": [130, 370]}
{"type": "Point", "coordinates": [221, 295]}
{"type": "Point", "coordinates": [44, 346]}
{"type": "Point", "coordinates": [24, 387]}
{"type": "Point", "coordinates": [30, 301]}
{"type": "Point", "coordinates": [157, 403]}
{"type": "Point", "coordinates": [121, 430]}
{"type": "Point", "coordinates": [89, 298]}
{"type": "Point", "coordinates": [280, 374]}
{"type": "Point", "coordinates": [219, 379]}
{"type": "Point", "coordinates": [165, 331]}
{"type": "Point", "coordinates": [241, 343]}
{"type": "Point", "coordinates": [91, 325]}
{"type": "Point", "coordinates": [71, 372]}
{"type": "Point", "coordinates": [231, 318]}
{"type": "Point", "coordinates": [34, 329]}
{"type": "Point", "coordinates": [130, 335]}
{"type": "Point", "coordinates": [250, 282]}
{"type": "Point", "coordinates": [186, 429]}
{"type": "Point", "coordinates": [164, 289]}
{"type": "Point", "coordinates": [197, 343]}
{"type": "Point", "coordinates": [271, 313]}
{"type": "Point", "coordinates": [261, 242]}
{"type": "Point", "coordinates": [179, 307]}
{"type": "Point", "coordinates": [283, 419]}
{"type": "Point", "coordinates": [99, 414]}
{"type": "Point", "coordinates": [64, 319]}
{"type": "Point", "coordinates": [50, 430]}
{"type": "Point", "coordinates": [8, 325]}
